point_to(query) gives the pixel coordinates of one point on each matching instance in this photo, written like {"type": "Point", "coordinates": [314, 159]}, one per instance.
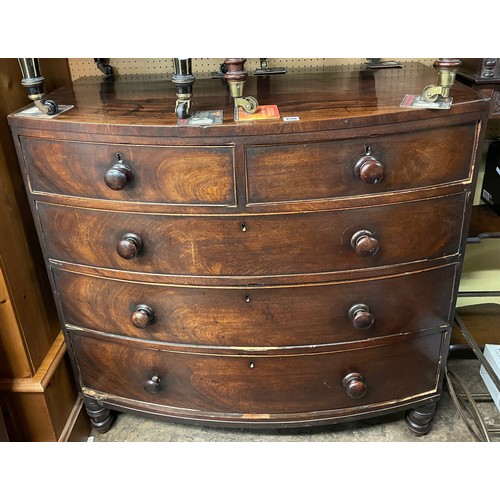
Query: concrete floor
{"type": "Point", "coordinates": [448, 425]}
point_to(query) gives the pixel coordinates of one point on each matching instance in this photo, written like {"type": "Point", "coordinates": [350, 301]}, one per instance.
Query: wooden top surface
{"type": "Point", "coordinates": [341, 97]}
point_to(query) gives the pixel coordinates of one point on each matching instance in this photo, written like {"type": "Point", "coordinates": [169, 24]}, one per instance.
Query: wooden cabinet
{"type": "Point", "coordinates": [267, 273]}
{"type": "Point", "coordinates": [38, 394]}
{"type": "Point", "coordinates": [483, 75]}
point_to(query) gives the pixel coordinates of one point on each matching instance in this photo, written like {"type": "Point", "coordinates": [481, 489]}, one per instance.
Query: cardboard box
{"type": "Point", "coordinates": [492, 355]}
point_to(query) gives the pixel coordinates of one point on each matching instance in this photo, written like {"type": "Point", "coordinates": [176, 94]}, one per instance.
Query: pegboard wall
{"type": "Point", "coordinates": [204, 66]}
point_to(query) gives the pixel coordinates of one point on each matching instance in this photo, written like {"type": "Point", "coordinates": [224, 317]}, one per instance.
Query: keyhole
{"type": "Point", "coordinates": [119, 157]}
{"type": "Point", "coordinates": [243, 227]}
{"type": "Point", "coordinates": [251, 364]}
{"type": "Point", "coordinates": [247, 298]}
{"type": "Point", "coordinates": [368, 150]}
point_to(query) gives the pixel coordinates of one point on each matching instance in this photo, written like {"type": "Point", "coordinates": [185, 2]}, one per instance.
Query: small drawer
{"type": "Point", "coordinates": [265, 245]}
{"type": "Point", "coordinates": [353, 167]}
{"type": "Point", "coordinates": [263, 316]}
{"type": "Point", "coordinates": [267, 385]}
{"type": "Point", "coordinates": [154, 174]}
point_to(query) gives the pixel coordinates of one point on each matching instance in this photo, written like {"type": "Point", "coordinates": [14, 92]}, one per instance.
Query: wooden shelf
{"type": "Point", "coordinates": [38, 395]}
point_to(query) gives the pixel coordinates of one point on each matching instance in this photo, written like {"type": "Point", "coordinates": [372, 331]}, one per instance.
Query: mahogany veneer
{"type": "Point", "coordinates": [265, 273]}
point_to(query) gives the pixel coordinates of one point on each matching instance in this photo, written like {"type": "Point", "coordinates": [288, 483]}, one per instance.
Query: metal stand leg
{"type": "Point", "coordinates": [183, 79]}
{"type": "Point", "coordinates": [33, 81]}
{"type": "Point", "coordinates": [104, 67]}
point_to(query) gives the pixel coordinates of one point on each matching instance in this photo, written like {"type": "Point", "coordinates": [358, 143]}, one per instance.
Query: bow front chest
{"type": "Point", "coordinates": [265, 273]}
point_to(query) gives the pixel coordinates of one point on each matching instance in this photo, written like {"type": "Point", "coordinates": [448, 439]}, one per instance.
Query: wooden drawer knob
{"type": "Point", "coordinates": [369, 170]}
{"type": "Point", "coordinates": [153, 385]}
{"type": "Point", "coordinates": [354, 385]}
{"type": "Point", "coordinates": [118, 176]}
{"type": "Point", "coordinates": [142, 316]}
{"type": "Point", "coordinates": [364, 243]}
{"type": "Point", "coordinates": [129, 246]}
{"type": "Point", "coordinates": [361, 317]}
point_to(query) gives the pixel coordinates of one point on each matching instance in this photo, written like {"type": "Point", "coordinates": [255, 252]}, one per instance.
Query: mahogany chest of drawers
{"type": "Point", "coordinates": [267, 273]}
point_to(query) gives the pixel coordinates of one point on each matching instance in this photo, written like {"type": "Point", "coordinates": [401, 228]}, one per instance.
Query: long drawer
{"type": "Point", "coordinates": [158, 174]}
{"type": "Point", "coordinates": [258, 317]}
{"type": "Point", "coordinates": [266, 245]}
{"type": "Point", "coordinates": [368, 165]}
{"type": "Point", "coordinates": [260, 385]}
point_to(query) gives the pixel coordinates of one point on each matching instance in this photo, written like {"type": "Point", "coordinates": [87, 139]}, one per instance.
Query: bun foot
{"type": "Point", "coordinates": [100, 418]}
{"type": "Point", "coordinates": [419, 419]}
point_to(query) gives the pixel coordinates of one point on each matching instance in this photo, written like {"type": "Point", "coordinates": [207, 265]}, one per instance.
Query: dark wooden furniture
{"type": "Point", "coordinates": [484, 76]}
{"type": "Point", "coordinates": [39, 400]}
{"type": "Point", "coordinates": [258, 274]}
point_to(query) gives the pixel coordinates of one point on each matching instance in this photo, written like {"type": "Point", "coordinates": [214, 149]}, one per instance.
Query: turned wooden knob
{"type": "Point", "coordinates": [118, 176]}
{"type": "Point", "coordinates": [361, 317]}
{"type": "Point", "coordinates": [142, 316]}
{"type": "Point", "coordinates": [153, 385]}
{"type": "Point", "coordinates": [354, 385]}
{"type": "Point", "coordinates": [129, 246]}
{"type": "Point", "coordinates": [369, 170]}
{"type": "Point", "coordinates": [364, 243]}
